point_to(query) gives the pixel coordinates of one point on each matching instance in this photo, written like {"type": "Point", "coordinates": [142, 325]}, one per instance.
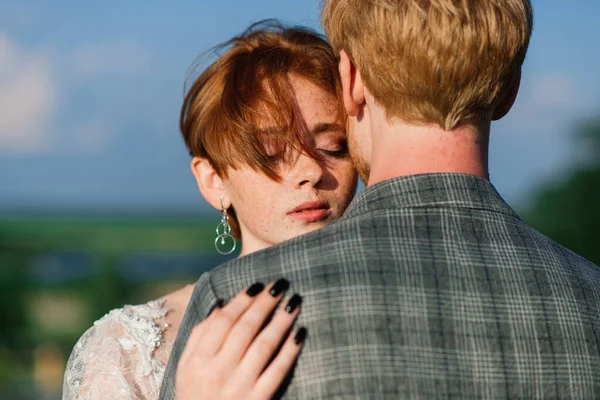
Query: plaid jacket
{"type": "Point", "coordinates": [429, 286]}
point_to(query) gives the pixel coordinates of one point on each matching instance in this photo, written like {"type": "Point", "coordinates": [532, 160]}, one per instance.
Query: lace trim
{"type": "Point", "coordinates": [145, 327]}
{"type": "Point", "coordinates": [118, 356]}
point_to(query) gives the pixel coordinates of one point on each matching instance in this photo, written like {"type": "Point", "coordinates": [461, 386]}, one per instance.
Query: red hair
{"type": "Point", "coordinates": [246, 95]}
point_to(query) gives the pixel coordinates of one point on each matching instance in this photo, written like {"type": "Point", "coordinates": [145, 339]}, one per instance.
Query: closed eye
{"type": "Point", "coordinates": [335, 153]}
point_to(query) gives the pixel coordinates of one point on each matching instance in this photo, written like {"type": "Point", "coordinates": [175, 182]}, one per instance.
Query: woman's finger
{"type": "Point", "coordinates": [215, 328]}
{"type": "Point", "coordinates": [251, 322]}
{"type": "Point", "coordinates": [268, 341]}
{"type": "Point", "coordinates": [270, 380]}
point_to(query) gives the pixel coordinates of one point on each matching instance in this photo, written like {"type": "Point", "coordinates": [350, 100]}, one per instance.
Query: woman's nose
{"type": "Point", "coordinates": [306, 170]}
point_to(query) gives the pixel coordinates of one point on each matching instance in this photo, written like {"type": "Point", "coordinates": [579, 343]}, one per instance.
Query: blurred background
{"type": "Point", "coordinates": [97, 205]}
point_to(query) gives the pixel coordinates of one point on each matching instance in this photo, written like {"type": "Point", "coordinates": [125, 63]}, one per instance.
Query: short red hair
{"type": "Point", "coordinates": [246, 94]}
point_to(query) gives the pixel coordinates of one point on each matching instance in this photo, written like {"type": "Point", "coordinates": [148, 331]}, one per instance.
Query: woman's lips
{"type": "Point", "coordinates": [310, 211]}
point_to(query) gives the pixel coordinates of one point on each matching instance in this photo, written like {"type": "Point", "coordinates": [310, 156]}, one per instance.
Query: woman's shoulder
{"type": "Point", "coordinates": [124, 353]}
{"type": "Point", "coordinates": [133, 327]}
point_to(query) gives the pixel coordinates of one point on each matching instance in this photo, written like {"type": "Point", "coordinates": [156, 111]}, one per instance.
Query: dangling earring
{"type": "Point", "coordinates": [224, 233]}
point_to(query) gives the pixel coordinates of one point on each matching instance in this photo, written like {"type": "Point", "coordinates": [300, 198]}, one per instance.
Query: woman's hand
{"type": "Point", "coordinates": [229, 356]}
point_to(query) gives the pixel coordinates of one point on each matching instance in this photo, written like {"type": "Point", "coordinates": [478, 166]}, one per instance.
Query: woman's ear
{"type": "Point", "coordinates": [509, 99]}
{"type": "Point", "coordinates": [353, 89]}
{"type": "Point", "coordinates": [211, 185]}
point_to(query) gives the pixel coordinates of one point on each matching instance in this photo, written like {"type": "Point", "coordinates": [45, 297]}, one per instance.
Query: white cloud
{"type": "Point", "coordinates": [96, 59]}
{"type": "Point", "coordinates": [27, 98]}
{"type": "Point", "coordinates": [32, 121]}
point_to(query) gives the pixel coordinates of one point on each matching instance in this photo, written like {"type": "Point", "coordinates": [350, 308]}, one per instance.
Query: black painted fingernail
{"type": "Point", "coordinates": [279, 287]}
{"type": "Point", "coordinates": [294, 302]}
{"type": "Point", "coordinates": [218, 304]}
{"type": "Point", "coordinates": [255, 289]}
{"type": "Point", "coordinates": [300, 335]}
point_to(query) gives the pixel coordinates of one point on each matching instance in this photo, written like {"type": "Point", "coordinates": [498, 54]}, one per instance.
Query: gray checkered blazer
{"type": "Point", "coordinates": [429, 286]}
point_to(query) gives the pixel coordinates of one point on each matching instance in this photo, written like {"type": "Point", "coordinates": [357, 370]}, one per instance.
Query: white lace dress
{"type": "Point", "coordinates": [122, 356]}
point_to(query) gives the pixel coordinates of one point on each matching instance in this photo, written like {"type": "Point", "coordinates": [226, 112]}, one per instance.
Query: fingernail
{"type": "Point", "coordinates": [294, 302]}
{"type": "Point", "coordinates": [300, 335]}
{"type": "Point", "coordinates": [255, 289]}
{"type": "Point", "coordinates": [218, 304]}
{"type": "Point", "coordinates": [279, 287]}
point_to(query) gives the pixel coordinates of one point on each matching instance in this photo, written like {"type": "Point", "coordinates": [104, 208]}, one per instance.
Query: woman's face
{"type": "Point", "coordinates": [311, 193]}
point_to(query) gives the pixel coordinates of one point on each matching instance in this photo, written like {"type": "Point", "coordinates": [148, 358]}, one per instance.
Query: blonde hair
{"type": "Point", "coordinates": [433, 61]}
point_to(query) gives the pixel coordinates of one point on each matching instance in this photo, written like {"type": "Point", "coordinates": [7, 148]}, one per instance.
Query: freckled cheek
{"type": "Point", "coordinates": [259, 198]}
{"type": "Point", "coordinates": [245, 194]}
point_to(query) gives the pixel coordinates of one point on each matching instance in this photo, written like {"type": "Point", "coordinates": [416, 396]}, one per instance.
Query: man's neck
{"type": "Point", "coordinates": [401, 149]}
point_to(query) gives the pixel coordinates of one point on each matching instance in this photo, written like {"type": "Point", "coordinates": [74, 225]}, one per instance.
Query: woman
{"type": "Point", "coordinates": [265, 127]}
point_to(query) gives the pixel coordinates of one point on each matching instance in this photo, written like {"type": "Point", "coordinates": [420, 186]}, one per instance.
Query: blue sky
{"type": "Point", "coordinates": [90, 95]}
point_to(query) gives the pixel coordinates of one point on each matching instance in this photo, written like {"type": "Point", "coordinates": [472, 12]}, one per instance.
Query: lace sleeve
{"type": "Point", "coordinates": [122, 356]}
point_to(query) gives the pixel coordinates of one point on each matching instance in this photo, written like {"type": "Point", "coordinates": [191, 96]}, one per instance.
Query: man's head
{"type": "Point", "coordinates": [432, 62]}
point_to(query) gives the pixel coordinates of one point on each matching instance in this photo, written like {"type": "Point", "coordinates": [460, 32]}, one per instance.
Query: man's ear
{"type": "Point", "coordinates": [353, 89]}
{"type": "Point", "coordinates": [507, 102]}
{"type": "Point", "coordinates": [211, 185]}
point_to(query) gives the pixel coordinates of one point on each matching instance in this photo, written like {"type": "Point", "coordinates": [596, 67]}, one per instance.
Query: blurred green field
{"type": "Point", "coordinates": [58, 274]}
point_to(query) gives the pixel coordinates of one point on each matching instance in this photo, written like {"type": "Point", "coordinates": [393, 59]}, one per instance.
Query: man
{"type": "Point", "coordinates": [430, 286]}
